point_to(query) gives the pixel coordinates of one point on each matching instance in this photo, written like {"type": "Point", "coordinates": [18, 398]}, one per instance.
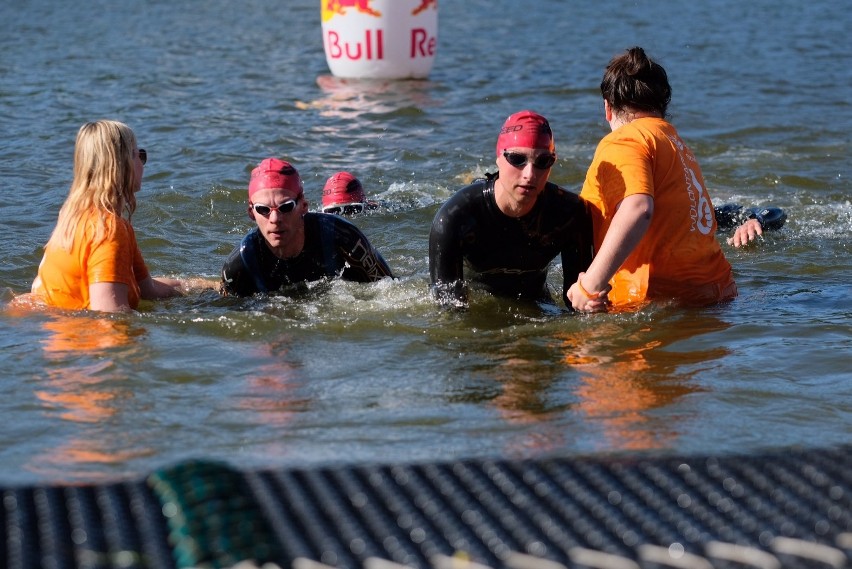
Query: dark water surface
{"type": "Point", "coordinates": [354, 373]}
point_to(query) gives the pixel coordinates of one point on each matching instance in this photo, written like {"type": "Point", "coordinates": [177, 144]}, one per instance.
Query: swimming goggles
{"type": "Point", "coordinates": [266, 210]}
{"type": "Point", "coordinates": [344, 209]}
{"type": "Point", "coordinates": [518, 160]}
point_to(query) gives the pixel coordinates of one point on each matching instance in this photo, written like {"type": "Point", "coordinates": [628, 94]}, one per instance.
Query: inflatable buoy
{"type": "Point", "coordinates": [380, 39]}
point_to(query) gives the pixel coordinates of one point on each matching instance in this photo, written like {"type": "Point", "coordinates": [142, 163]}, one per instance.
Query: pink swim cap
{"type": "Point", "coordinates": [526, 129]}
{"type": "Point", "coordinates": [274, 174]}
{"type": "Point", "coordinates": [342, 189]}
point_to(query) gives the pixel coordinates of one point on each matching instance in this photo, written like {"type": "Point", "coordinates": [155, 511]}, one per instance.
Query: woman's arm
{"type": "Point", "coordinates": [152, 288]}
{"type": "Point", "coordinates": [628, 226]}
{"type": "Point", "coordinates": [113, 297]}
{"type": "Point", "coordinates": [109, 297]}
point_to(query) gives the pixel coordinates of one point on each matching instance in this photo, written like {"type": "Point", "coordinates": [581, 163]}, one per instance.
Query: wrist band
{"type": "Point", "coordinates": [585, 292]}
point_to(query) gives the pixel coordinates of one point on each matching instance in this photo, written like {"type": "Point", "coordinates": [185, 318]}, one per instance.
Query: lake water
{"type": "Point", "coordinates": [376, 373]}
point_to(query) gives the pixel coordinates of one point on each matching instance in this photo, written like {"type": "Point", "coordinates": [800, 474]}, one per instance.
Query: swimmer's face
{"type": "Point", "coordinates": [523, 174]}
{"type": "Point", "coordinates": [278, 214]}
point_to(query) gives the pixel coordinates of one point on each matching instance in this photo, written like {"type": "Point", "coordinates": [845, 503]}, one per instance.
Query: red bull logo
{"type": "Point", "coordinates": [332, 7]}
{"type": "Point", "coordinates": [424, 5]}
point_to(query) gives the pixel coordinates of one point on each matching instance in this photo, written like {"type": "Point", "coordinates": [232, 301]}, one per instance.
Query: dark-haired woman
{"type": "Point", "coordinates": [653, 220]}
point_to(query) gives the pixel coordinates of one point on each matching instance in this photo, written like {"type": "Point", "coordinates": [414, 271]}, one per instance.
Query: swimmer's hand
{"type": "Point", "coordinates": [746, 233]}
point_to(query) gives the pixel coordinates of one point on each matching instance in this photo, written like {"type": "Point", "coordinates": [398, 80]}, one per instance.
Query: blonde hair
{"type": "Point", "coordinates": [104, 180]}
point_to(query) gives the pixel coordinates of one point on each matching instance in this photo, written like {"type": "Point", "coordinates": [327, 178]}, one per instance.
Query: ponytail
{"type": "Point", "coordinates": [633, 81]}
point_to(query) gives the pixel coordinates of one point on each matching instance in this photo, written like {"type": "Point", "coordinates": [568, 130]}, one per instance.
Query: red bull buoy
{"type": "Point", "coordinates": [381, 39]}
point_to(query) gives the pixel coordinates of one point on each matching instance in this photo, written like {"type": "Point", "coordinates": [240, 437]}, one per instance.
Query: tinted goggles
{"type": "Point", "coordinates": [344, 209]}
{"type": "Point", "coordinates": [519, 160]}
{"type": "Point", "coordinates": [284, 207]}
{"type": "Point", "coordinates": [143, 155]}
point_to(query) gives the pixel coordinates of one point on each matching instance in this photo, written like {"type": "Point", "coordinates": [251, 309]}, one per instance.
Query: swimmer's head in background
{"type": "Point", "coordinates": [343, 193]}
{"type": "Point", "coordinates": [275, 174]}
{"type": "Point", "coordinates": [526, 129]}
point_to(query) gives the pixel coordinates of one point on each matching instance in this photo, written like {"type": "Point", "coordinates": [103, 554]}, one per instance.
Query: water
{"type": "Point", "coordinates": [355, 373]}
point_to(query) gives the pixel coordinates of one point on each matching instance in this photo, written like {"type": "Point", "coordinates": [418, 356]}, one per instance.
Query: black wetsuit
{"type": "Point", "coordinates": [333, 247]}
{"type": "Point", "coordinates": [509, 256]}
{"type": "Point", "coordinates": [731, 215]}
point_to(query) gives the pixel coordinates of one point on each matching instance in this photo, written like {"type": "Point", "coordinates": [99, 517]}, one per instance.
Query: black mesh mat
{"type": "Point", "coordinates": [784, 508]}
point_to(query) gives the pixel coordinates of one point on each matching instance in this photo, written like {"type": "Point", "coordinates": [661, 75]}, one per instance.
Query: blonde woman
{"type": "Point", "coordinates": [92, 261]}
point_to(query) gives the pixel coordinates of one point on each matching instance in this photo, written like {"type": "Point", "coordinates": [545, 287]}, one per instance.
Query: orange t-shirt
{"type": "Point", "coordinates": [679, 256]}
{"type": "Point", "coordinates": [64, 276]}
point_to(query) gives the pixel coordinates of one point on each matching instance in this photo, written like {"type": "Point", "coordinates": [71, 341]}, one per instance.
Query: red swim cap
{"type": "Point", "coordinates": [341, 189]}
{"type": "Point", "coordinates": [525, 129]}
{"type": "Point", "coordinates": [275, 174]}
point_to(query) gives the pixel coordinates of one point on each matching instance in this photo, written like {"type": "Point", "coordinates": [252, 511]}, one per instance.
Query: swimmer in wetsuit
{"type": "Point", "coordinates": [508, 228]}
{"type": "Point", "coordinates": [291, 245]}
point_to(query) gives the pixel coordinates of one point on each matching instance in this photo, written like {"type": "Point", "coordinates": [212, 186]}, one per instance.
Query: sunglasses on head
{"type": "Point", "coordinates": [143, 155]}
{"type": "Point", "coordinates": [344, 209]}
{"type": "Point", "coordinates": [518, 160]}
{"type": "Point", "coordinates": [266, 210]}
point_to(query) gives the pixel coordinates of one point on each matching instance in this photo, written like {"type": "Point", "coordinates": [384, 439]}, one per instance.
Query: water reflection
{"type": "Point", "coordinates": [270, 397]}
{"type": "Point", "coordinates": [83, 384]}
{"type": "Point", "coordinates": [531, 395]}
{"type": "Point", "coordinates": [613, 382]}
{"type": "Point", "coordinates": [627, 378]}
{"type": "Point", "coordinates": [250, 408]}
{"type": "Point", "coordinates": [349, 98]}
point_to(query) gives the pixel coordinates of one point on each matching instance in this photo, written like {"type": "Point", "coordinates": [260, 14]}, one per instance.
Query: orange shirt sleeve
{"type": "Point", "coordinates": [111, 261]}
{"type": "Point", "coordinates": [623, 167]}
